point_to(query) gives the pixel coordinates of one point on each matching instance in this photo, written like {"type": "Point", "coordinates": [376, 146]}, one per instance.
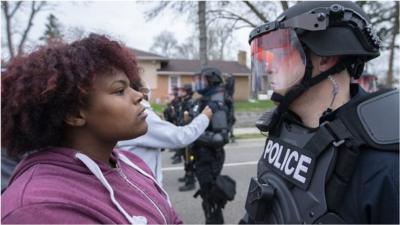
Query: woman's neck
{"type": "Point", "coordinates": [314, 102]}
{"type": "Point", "coordinates": [90, 146]}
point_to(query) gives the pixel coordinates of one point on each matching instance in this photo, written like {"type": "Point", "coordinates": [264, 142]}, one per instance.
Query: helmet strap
{"type": "Point", "coordinates": [297, 90]}
{"type": "Point", "coordinates": [356, 68]}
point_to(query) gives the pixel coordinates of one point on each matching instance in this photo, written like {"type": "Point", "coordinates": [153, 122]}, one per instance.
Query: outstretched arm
{"type": "Point", "coordinates": [163, 134]}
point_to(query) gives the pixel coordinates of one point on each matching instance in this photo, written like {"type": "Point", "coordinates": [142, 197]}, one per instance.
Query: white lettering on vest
{"type": "Point", "coordinates": [285, 159]}
{"type": "Point", "coordinates": [293, 164]}
{"type": "Point", "coordinates": [292, 155]}
{"type": "Point", "coordinates": [277, 164]}
{"type": "Point", "coordinates": [273, 154]}
{"type": "Point", "coordinates": [302, 167]}
{"type": "Point", "coordinates": [268, 148]}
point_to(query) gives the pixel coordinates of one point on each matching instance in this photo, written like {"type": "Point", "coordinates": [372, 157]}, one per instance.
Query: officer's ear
{"type": "Point", "coordinates": [327, 62]}
{"type": "Point", "coordinates": [76, 119]}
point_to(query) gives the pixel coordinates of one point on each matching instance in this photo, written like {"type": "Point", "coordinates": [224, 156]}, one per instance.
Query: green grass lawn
{"type": "Point", "coordinates": [257, 106]}
{"type": "Point", "coordinates": [240, 106]}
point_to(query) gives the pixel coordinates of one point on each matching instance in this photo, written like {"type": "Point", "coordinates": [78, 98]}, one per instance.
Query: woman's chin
{"type": "Point", "coordinates": [139, 131]}
{"type": "Point", "coordinates": [144, 129]}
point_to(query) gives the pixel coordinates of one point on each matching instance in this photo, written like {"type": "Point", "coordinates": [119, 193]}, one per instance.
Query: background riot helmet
{"type": "Point", "coordinates": [207, 79]}
{"type": "Point", "coordinates": [175, 91]}
{"type": "Point", "coordinates": [186, 88]}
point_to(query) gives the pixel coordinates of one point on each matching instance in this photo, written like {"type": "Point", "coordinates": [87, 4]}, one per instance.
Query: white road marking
{"type": "Point", "coordinates": [225, 165]}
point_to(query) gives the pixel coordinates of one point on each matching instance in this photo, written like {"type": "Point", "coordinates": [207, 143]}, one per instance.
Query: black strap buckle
{"type": "Point", "coordinates": [338, 143]}
{"type": "Point", "coordinates": [258, 200]}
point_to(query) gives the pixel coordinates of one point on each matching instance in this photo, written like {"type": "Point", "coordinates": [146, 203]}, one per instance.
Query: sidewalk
{"type": "Point", "coordinates": [246, 130]}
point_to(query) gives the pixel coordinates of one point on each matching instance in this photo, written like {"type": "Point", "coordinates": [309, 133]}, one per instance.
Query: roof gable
{"type": "Point", "coordinates": [190, 66]}
{"type": "Point", "coordinates": [193, 66]}
{"type": "Point", "coordinates": [146, 55]}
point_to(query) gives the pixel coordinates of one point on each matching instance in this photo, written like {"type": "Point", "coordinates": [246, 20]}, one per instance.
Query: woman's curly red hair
{"type": "Point", "coordinates": [39, 90]}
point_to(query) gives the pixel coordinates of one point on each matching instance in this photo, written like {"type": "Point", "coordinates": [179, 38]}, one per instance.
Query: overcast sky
{"type": "Point", "coordinates": [125, 21]}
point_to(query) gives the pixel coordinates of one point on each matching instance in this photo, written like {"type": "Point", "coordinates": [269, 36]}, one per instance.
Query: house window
{"type": "Point", "coordinates": [174, 81]}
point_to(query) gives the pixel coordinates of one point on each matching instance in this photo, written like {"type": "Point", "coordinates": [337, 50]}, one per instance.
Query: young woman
{"type": "Point", "coordinates": [65, 107]}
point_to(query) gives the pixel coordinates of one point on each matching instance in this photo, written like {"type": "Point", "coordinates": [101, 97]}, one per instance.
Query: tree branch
{"type": "Point", "coordinates": [15, 8]}
{"type": "Point", "coordinates": [254, 9]}
{"type": "Point", "coordinates": [153, 13]}
{"type": "Point", "coordinates": [284, 5]}
{"type": "Point", "coordinates": [4, 6]}
{"type": "Point", "coordinates": [233, 16]}
{"type": "Point", "coordinates": [34, 11]}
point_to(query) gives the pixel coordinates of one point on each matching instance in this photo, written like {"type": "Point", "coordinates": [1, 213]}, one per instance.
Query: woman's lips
{"type": "Point", "coordinates": [142, 115]}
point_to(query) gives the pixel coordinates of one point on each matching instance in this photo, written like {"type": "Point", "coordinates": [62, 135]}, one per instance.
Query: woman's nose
{"type": "Point", "coordinates": [136, 96]}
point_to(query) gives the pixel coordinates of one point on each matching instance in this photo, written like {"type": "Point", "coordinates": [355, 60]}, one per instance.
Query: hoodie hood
{"type": "Point", "coordinates": [64, 157]}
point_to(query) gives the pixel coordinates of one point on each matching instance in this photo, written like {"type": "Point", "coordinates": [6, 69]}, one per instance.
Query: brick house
{"type": "Point", "coordinates": [161, 73]}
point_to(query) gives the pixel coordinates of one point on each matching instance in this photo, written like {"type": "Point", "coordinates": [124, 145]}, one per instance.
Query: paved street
{"type": "Point", "coordinates": [240, 163]}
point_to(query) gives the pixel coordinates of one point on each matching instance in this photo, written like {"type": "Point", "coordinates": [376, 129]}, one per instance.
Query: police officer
{"type": "Point", "coordinates": [332, 150]}
{"type": "Point", "coordinates": [172, 113]}
{"type": "Point", "coordinates": [229, 92]}
{"type": "Point", "coordinates": [215, 190]}
{"type": "Point", "coordinates": [186, 108]}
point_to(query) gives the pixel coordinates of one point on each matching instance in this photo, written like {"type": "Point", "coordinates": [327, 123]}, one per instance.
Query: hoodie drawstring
{"type": "Point", "coordinates": [131, 164]}
{"type": "Point", "coordinates": [94, 168]}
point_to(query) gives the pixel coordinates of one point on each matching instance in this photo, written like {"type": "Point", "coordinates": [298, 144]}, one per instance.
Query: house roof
{"type": "Point", "coordinates": [147, 55]}
{"type": "Point", "coordinates": [192, 66]}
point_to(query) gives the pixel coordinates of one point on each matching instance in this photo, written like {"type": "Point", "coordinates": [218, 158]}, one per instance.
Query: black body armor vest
{"type": "Point", "coordinates": [303, 173]}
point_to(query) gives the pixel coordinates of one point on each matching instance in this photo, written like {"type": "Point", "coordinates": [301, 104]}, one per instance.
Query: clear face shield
{"type": "Point", "coordinates": [200, 82]}
{"type": "Point", "coordinates": [277, 62]}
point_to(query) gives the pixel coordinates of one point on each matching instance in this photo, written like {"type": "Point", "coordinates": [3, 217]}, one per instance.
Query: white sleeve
{"type": "Point", "coordinates": [163, 134]}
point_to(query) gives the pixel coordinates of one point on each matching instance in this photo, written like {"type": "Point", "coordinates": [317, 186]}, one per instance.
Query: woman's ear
{"type": "Point", "coordinates": [75, 119]}
{"type": "Point", "coordinates": [327, 62]}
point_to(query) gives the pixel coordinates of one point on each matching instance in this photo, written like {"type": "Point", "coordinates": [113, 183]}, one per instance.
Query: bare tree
{"type": "Point", "coordinates": [53, 32]}
{"type": "Point", "coordinates": [187, 8]}
{"type": "Point", "coordinates": [217, 40]}
{"type": "Point", "coordinates": [244, 13]}
{"type": "Point", "coordinates": [384, 17]}
{"type": "Point", "coordinates": [201, 13]}
{"type": "Point", "coordinates": [74, 33]}
{"type": "Point", "coordinates": [9, 10]}
{"type": "Point", "coordinates": [222, 18]}
{"type": "Point", "coordinates": [284, 5]}
{"type": "Point", "coordinates": [392, 46]}
{"type": "Point", "coordinates": [165, 44]}
{"type": "Point", "coordinates": [189, 49]}
{"type": "Point", "coordinates": [219, 37]}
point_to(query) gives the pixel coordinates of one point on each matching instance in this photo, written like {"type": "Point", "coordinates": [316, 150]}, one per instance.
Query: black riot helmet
{"type": "Point", "coordinates": [188, 89]}
{"type": "Point", "coordinates": [175, 91]}
{"type": "Point", "coordinates": [207, 79]}
{"type": "Point", "coordinates": [325, 28]}
{"type": "Point", "coordinates": [334, 28]}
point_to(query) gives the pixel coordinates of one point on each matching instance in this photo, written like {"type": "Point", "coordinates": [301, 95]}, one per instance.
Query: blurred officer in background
{"type": "Point", "coordinates": [186, 111]}
{"type": "Point", "coordinates": [215, 189]}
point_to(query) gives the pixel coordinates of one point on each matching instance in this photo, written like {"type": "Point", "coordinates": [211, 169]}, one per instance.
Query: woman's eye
{"type": "Point", "coordinates": [120, 92]}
